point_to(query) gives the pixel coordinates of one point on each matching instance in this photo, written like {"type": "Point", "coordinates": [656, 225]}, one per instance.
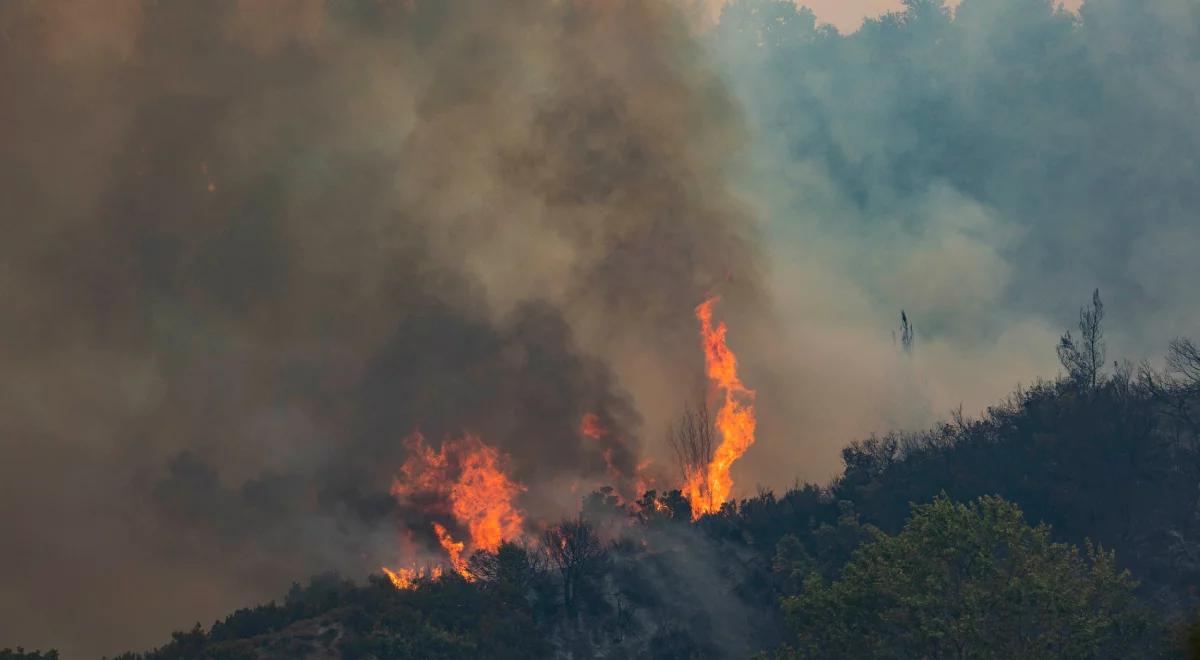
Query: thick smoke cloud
{"type": "Point", "coordinates": [983, 169]}
{"type": "Point", "coordinates": [251, 246]}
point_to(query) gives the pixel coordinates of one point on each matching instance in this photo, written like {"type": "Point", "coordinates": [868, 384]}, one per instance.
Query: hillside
{"type": "Point", "coordinates": [1103, 464]}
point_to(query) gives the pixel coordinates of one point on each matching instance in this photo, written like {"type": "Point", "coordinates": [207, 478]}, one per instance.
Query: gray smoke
{"type": "Point", "coordinates": [983, 169]}
{"type": "Point", "coordinates": [251, 246]}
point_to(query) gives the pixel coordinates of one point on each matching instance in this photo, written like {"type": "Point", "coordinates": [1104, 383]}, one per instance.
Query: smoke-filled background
{"type": "Point", "coordinates": [250, 247]}
{"type": "Point", "coordinates": [984, 169]}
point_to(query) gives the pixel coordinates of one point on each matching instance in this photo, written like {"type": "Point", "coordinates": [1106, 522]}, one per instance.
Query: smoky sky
{"type": "Point", "coordinates": [982, 165]}
{"type": "Point", "coordinates": [849, 15]}
{"type": "Point", "coordinates": [252, 246]}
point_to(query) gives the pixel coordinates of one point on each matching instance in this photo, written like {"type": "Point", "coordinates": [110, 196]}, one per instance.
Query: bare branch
{"type": "Point", "coordinates": [1183, 360]}
{"type": "Point", "coordinates": [1084, 359]}
{"type": "Point", "coordinates": [692, 440]}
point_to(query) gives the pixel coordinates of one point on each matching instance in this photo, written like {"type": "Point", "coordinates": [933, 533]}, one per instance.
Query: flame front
{"type": "Point", "coordinates": [464, 482]}
{"type": "Point", "coordinates": [453, 550]}
{"type": "Point", "coordinates": [708, 490]}
{"type": "Point", "coordinates": [482, 499]}
{"type": "Point", "coordinates": [406, 578]}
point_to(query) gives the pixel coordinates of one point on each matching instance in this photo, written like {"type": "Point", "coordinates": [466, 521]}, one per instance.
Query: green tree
{"type": "Point", "coordinates": [971, 581]}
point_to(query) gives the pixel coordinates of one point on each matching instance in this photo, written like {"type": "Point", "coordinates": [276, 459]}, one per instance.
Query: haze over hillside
{"type": "Point", "coordinates": [299, 287]}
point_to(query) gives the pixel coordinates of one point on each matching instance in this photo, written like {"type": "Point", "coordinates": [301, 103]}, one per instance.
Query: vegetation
{"type": "Point", "coordinates": [920, 548]}
{"type": "Point", "coordinates": [22, 654]}
{"type": "Point", "coordinates": [1064, 522]}
{"type": "Point", "coordinates": [970, 581]}
{"type": "Point", "coordinates": [442, 619]}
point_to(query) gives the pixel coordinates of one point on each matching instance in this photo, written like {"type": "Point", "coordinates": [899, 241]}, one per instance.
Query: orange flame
{"type": "Point", "coordinates": [463, 480]}
{"type": "Point", "coordinates": [406, 578]}
{"type": "Point", "coordinates": [401, 578]}
{"type": "Point", "coordinates": [453, 550]}
{"type": "Point", "coordinates": [482, 498]}
{"type": "Point", "coordinates": [645, 480]}
{"type": "Point", "coordinates": [707, 491]}
{"type": "Point", "coordinates": [629, 485]}
{"type": "Point", "coordinates": [591, 427]}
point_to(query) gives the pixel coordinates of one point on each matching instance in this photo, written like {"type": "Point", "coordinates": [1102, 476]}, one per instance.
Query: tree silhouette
{"type": "Point", "coordinates": [907, 333]}
{"type": "Point", "coordinates": [577, 552]}
{"type": "Point", "coordinates": [1084, 358]}
{"type": "Point", "coordinates": [693, 440]}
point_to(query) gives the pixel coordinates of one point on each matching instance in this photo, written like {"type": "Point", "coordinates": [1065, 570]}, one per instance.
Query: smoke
{"type": "Point", "coordinates": [983, 168]}
{"type": "Point", "coordinates": [693, 586]}
{"type": "Point", "coordinates": [251, 246]}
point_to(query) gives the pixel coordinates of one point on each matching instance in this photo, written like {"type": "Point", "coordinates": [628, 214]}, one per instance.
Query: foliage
{"type": "Point", "coordinates": [444, 619]}
{"type": "Point", "coordinates": [578, 554]}
{"type": "Point", "coordinates": [22, 654]}
{"type": "Point", "coordinates": [1116, 463]}
{"type": "Point", "coordinates": [860, 573]}
{"type": "Point", "coordinates": [823, 551]}
{"type": "Point", "coordinates": [971, 581]}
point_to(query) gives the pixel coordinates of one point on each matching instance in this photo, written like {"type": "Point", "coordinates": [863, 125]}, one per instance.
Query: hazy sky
{"type": "Point", "coordinates": [251, 246]}
{"type": "Point", "coordinates": [847, 15]}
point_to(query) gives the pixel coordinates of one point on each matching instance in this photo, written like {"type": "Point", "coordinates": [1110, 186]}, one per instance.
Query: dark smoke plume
{"type": "Point", "coordinates": [251, 246]}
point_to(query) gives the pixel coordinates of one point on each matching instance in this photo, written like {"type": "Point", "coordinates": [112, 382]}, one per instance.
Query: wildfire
{"type": "Point", "coordinates": [463, 488]}
{"type": "Point", "coordinates": [462, 481]}
{"type": "Point", "coordinates": [406, 578]}
{"type": "Point", "coordinates": [630, 482]}
{"type": "Point", "coordinates": [591, 427]}
{"type": "Point", "coordinates": [645, 480]}
{"type": "Point", "coordinates": [482, 498]}
{"type": "Point", "coordinates": [453, 550]}
{"type": "Point", "coordinates": [707, 491]}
